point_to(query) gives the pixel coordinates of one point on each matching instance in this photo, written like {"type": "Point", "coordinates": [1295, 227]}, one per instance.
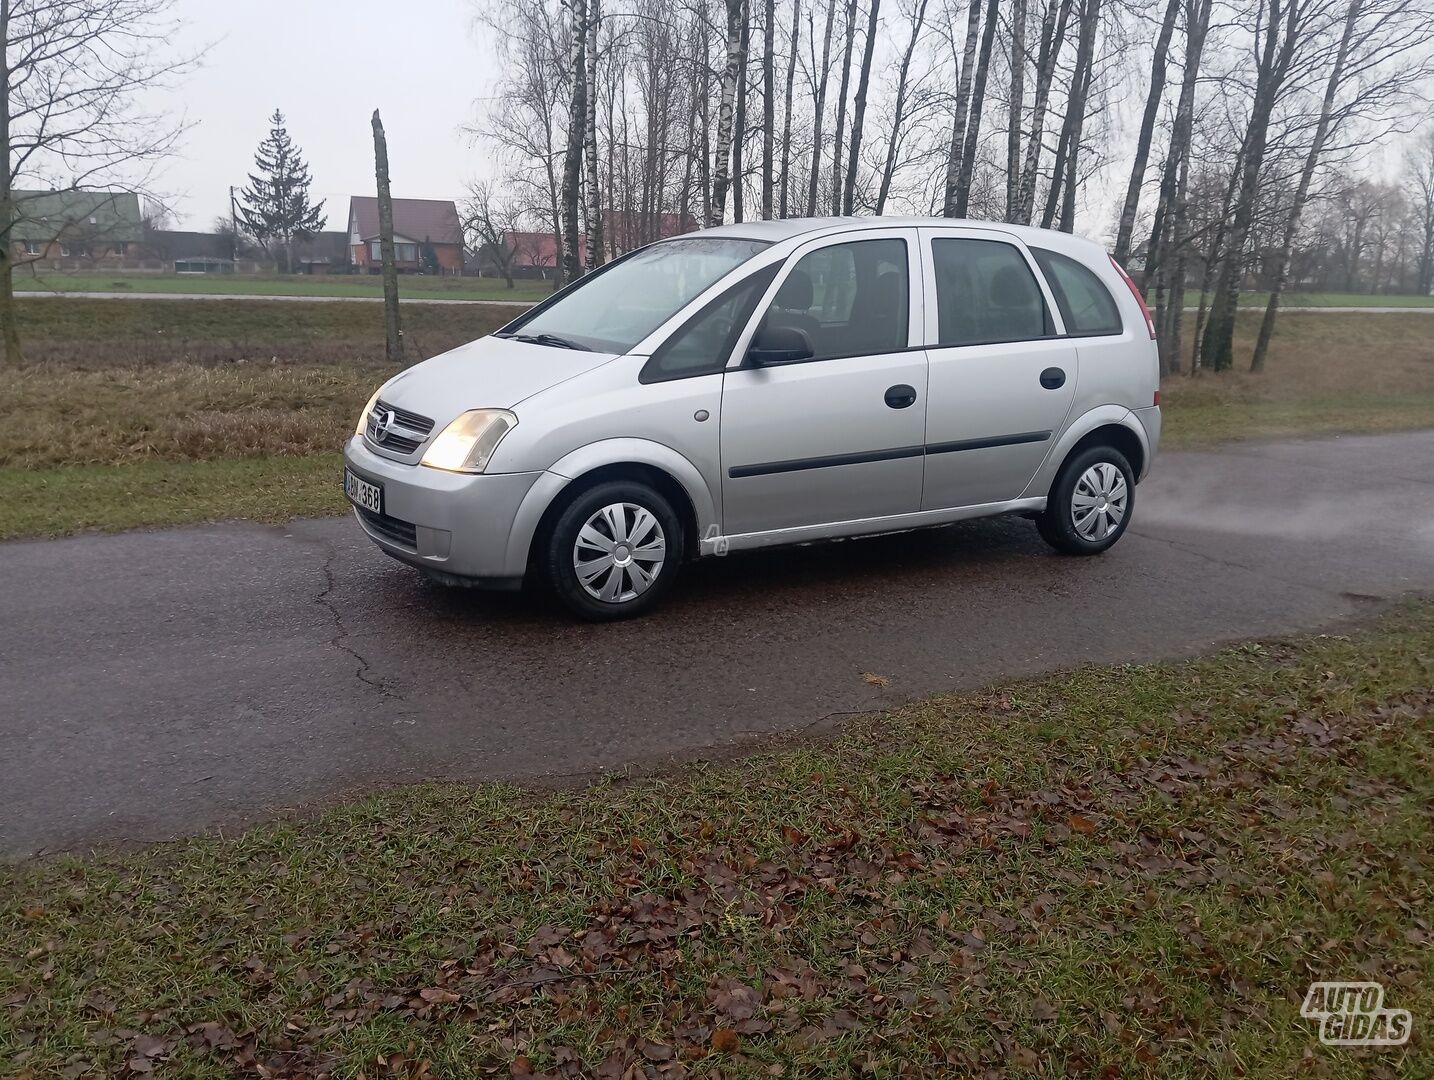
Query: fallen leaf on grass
{"type": "Point", "coordinates": [1081, 824]}
{"type": "Point", "coordinates": [725, 1040]}
{"type": "Point", "coordinates": [872, 679]}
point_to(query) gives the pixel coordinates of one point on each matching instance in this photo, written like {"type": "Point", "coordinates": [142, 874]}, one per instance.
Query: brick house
{"type": "Point", "coordinates": [417, 224]}
{"type": "Point", "coordinates": [76, 229]}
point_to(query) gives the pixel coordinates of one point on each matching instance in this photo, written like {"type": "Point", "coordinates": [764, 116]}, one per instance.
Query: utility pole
{"type": "Point", "coordinates": [393, 335]}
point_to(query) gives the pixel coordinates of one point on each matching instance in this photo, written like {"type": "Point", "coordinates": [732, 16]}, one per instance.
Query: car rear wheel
{"type": "Point", "coordinates": [1090, 502]}
{"type": "Point", "coordinates": [614, 550]}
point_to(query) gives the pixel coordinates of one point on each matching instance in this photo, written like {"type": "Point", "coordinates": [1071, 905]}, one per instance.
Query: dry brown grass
{"type": "Point", "coordinates": [1325, 374]}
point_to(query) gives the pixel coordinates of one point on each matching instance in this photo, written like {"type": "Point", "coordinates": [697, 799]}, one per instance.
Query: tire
{"type": "Point", "coordinates": [1096, 482]}
{"type": "Point", "coordinates": [586, 532]}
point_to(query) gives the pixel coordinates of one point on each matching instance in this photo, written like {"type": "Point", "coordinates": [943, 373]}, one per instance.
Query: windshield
{"type": "Point", "coordinates": [615, 309]}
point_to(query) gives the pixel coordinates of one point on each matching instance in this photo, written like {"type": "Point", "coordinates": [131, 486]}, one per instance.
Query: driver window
{"type": "Point", "coordinates": [847, 299]}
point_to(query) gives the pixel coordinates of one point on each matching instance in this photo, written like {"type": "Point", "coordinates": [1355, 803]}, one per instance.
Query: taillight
{"type": "Point", "coordinates": [1156, 401]}
{"type": "Point", "coordinates": [1135, 292]}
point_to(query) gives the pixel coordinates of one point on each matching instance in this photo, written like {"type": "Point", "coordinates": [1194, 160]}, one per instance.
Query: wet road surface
{"type": "Point", "coordinates": [155, 684]}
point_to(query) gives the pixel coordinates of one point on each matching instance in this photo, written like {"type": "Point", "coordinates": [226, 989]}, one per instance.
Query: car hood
{"type": "Point", "coordinates": [490, 373]}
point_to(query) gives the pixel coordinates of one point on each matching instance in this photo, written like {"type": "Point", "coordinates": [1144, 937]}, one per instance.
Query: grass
{"type": "Point", "coordinates": [410, 286]}
{"type": "Point", "coordinates": [135, 413]}
{"type": "Point", "coordinates": [1258, 300]}
{"type": "Point", "coordinates": [1125, 871]}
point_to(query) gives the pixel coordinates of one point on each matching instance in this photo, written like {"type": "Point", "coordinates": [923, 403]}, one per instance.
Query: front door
{"type": "Point", "coordinates": [1003, 376]}
{"type": "Point", "coordinates": [839, 436]}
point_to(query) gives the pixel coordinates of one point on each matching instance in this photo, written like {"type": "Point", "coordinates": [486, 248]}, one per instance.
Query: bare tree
{"type": "Point", "coordinates": [819, 97]}
{"type": "Point", "coordinates": [721, 172]}
{"type": "Point", "coordinates": [978, 102]}
{"type": "Point", "coordinates": [590, 140]}
{"type": "Point", "coordinates": [848, 43]}
{"type": "Point", "coordinates": [954, 159]}
{"type": "Point", "coordinates": [893, 145]}
{"type": "Point", "coordinates": [769, 107]}
{"type": "Point", "coordinates": [1063, 179]}
{"type": "Point", "coordinates": [1147, 132]}
{"type": "Point", "coordinates": [787, 106]}
{"type": "Point", "coordinates": [572, 263]}
{"type": "Point", "coordinates": [1053, 32]}
{"type": "Point", "coordinates": [1282, 34]}
{"type": "Point", "coordinates": [1422, 197]}
{"type": "Point", "coordinates": [489, 222]}
{"type": "Point", "coordinates": [859, 115]}
{"type": "Point", "coordinates": [1015, 106]}
{"type": "Point", "coordinates": [70, 107]}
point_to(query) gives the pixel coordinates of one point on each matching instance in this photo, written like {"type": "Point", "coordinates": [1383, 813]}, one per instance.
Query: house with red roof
{"type": "Point", "coordinates": [427, 236]}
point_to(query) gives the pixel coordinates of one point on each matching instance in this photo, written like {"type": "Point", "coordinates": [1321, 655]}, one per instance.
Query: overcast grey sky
{"type": "Point", "coordinates": [327, 64]}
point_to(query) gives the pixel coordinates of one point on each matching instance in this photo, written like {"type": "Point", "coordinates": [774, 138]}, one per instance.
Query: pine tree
{"type": "Point", "coordinates": [275, 206]}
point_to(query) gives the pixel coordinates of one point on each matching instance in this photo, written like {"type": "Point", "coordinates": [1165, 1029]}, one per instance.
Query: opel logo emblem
{"type": "Point", "coordinates": [382, 423]}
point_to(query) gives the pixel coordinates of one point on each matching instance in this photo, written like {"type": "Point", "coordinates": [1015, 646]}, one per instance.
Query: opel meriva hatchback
{"type": "Point", "coordinates": [774, 382]}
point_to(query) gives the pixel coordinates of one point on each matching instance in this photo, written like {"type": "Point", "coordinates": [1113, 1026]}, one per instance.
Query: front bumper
{"type": "Point", "coordinates": [450, 524]}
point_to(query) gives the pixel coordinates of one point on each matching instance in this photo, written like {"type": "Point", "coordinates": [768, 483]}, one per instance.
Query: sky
{"type": "Point", "coordinates": [327, 64]}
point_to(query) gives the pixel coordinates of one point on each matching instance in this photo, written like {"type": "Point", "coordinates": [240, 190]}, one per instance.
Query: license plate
{"type": "Point", "coordinates": [363, 494]}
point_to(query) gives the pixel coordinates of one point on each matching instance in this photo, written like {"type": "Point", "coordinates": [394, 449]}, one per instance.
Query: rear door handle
{"type": "Point", "coordinates": [1053, 378]}
{"type": "Point", "coordinates": [901, 396]}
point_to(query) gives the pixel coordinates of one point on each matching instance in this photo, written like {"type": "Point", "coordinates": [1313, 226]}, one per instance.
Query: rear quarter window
{"type": "Point", "coordinates": [1085, 303]}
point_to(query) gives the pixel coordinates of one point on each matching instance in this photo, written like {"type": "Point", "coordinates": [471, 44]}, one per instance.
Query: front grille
{"type": "Point", "coordinates": [402, 533]}
{"type": "Point", "coordinates": [406, 431]}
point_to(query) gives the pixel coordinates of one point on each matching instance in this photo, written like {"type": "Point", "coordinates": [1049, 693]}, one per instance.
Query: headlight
{"type": "Point", "coordinates": [363, 416]}
{"type": "Point", "coordinates": [468, 443]}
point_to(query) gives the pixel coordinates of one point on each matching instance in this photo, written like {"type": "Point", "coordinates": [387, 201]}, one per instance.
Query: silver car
{"type": "Point", "coordinates": [774, 382]}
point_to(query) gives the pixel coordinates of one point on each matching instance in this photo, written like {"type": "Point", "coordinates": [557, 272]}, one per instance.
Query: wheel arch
{"type": "Point", "coordinates": [1109, 425]}
{"type": "Point", "coordinates": [641, 460]}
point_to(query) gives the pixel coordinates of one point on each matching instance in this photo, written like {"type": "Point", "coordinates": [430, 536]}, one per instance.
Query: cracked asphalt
{"type": "Point", "coordinates": [163, 683]}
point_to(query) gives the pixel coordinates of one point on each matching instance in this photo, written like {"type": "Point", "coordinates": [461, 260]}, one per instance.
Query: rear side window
{"type": "Point", "coordinates": [986, 293]}
{"type": "Point", "coordinates": [1086, 304]}
{"type": "Point", "coordinates": [706, 340]}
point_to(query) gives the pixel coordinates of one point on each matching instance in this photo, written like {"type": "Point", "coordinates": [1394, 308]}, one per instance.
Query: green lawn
{"type": "Point", "coordinates": [1128, 871]}
{"type": "Point", "coordinates": [1313, 299]}
{"type": "Point", "coordinates": [410, 286]}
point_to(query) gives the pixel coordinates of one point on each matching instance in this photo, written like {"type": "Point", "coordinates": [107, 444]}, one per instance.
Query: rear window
{"type": "Point", "coordinates": [1086, 304]}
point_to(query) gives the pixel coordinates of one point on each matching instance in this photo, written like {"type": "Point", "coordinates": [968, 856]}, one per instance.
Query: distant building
{"type": "Point", "coordinates": [535, 254]}
{"type": "Point", "coordinates": [74, 229]}
{"type": "Point", "coordinates": [420, 226]}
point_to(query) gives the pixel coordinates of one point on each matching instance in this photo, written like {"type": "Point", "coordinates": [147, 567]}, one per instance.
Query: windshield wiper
{"type": "Point", "coordinates": [549, 339]}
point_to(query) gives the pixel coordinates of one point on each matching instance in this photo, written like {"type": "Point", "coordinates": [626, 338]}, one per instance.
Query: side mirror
{"type": "Point", "coordinates": [779, 345]}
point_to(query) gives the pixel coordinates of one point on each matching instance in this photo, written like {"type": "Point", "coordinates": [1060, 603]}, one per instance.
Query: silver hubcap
{"type": "Point", "coordinates": [1098, 504]}
{"type": "Point", "coordinates": [619, 553]}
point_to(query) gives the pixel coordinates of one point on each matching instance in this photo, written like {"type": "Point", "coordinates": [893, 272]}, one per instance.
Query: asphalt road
{"type": "Point", "coordinates": [160, 683]}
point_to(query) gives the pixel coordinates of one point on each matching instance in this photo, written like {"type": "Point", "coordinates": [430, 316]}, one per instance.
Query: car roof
{"type": "Point", "coordinates": [776, 231]}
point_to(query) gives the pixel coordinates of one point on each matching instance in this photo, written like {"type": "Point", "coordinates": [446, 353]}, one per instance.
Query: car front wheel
{"type": "Point", "coordinates": [614, 550]}
{"type": "Point", "coordinates": [1090, 502]}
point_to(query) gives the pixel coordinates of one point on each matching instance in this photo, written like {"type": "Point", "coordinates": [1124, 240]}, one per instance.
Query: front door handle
{"type": "Point", "coordinates": [1053, 378]}
{"type": "Point", "coordinates": [901, 396]}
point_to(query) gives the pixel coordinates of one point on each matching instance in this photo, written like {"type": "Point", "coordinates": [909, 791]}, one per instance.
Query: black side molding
{"type": "Point", "coordinates": [984, 444]}
{"type": "Point", "coordinates": [737, 472]}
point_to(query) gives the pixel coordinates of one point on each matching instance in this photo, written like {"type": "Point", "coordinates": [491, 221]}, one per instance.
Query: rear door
{"type": "Point", "coordinates": [1002, 373]}
{"type": "Point", "coordinates": [839, 436]}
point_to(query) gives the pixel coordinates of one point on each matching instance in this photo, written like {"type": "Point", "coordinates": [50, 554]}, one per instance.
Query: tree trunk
{"type": "Point", "coordinates": [889, 170]}
{"type": "Point", "coordinates": [596, 254]}
{"type": "Point", "coordinates": [850, 42]}
{"type": "Point", "coordinates": [859, 116]}
{"type": "Point", "coordinates": [769, 108]}
{"type": "Point", "coordinates": [1215, 260]}
{"type": "Point", "coordinates": [818, 111]}
{"type": "Point", "coordinates": [1147, 131]}
{"type": "Point", "coordinates": [978, 101]}
{"type": "Point", "coordinates": [739, 138]}
{"type": "Point", "coordinates": [1292, 225]}
{"type": "Point", "coordinates": [1017, 102]}
{"type": "Point", "coordinates": [963, 103]}
{"type": "Point", "coordinates": [1075, 113]}
{"type": "Point", "coordinates": [573, 156]}
{"type": "Point", "coordinates": [787, 107]}
{"type": "Point", "coordinates": [8, 326]}
{"type": "Point", "coordinates": [1053, 33]}
{"type": "Point", "coordinates": [721, 170]}
{"type": "Point", "coordinates": [393, 333]}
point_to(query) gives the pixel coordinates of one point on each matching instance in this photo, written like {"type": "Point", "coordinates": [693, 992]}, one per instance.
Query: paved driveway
{"type": "Point", "coordinates": [162, 683]}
